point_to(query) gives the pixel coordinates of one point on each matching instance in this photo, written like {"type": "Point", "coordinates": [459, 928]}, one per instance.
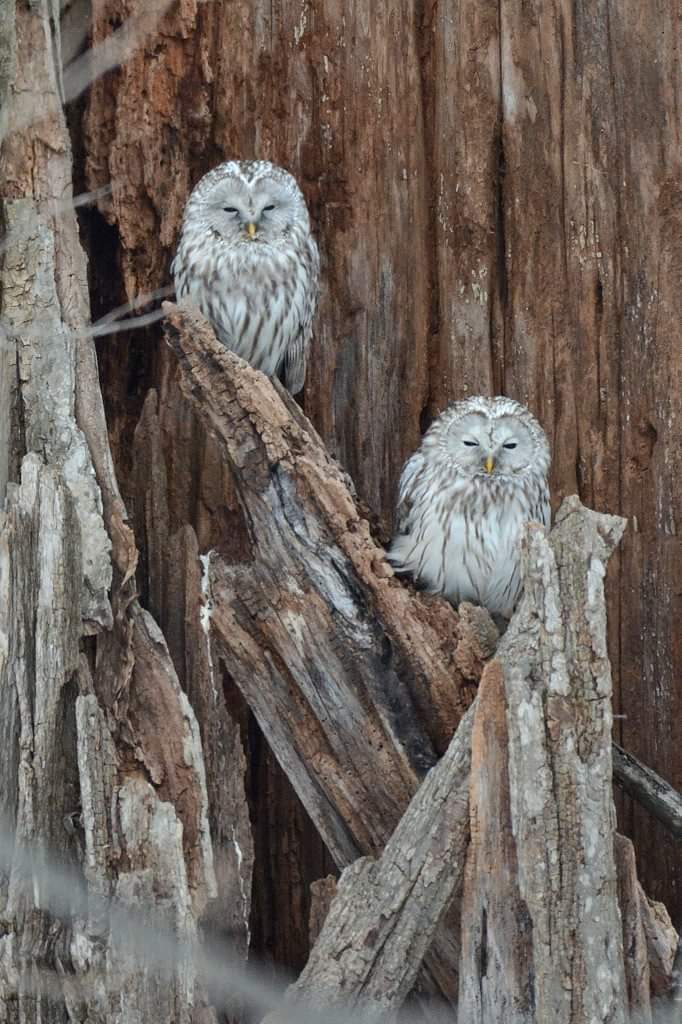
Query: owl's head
{"type": "Point", "coordinates": [248, 201]}
{"type": "Point", "coordinates": [491, 437]}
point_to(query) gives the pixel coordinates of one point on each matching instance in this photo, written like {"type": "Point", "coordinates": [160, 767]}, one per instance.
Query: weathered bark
{"type": "Point", "coordinates": [543, 936]}
{"type": "Point", "coordinates": [649, 790]}
{"type": "Point", "coordinates": [559, 721]}
{"type": "Point", "coordinates": [354, 679]}
{"type": "Point", "coordinates": [498, 956]}
{"type": "Point", "coordinates": [495, 189]}
{"type": "Point", "coordinates": [386, 911]}
{"type": "Point", "coordinates": [104, 766]}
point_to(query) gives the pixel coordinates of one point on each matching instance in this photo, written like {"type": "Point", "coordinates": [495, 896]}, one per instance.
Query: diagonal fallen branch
{"type": "Point", "coordinates": [356, 682]}
{"type": "Point", "coordinates": [386, 911]}
{"type": "Point", "coordinates": [649, 790]}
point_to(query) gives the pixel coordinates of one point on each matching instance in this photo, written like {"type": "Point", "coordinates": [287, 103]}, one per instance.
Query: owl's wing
{"type": "Point", "coordinates": [408, 479]}
{"type": "Point", "coordinates": [296, 354]}
{"type": "Point", "coordinates": [541, 511]}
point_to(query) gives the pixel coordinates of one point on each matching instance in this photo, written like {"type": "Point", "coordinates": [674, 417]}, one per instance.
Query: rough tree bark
{"type": "Point", "coordinates": [99, 735]}
{"type": "Point", "coordinates": [541, 927]}
{"type": "Point", "coordinates": [495, 189]}
{"type": "Point", "coordinates": [496, 192]}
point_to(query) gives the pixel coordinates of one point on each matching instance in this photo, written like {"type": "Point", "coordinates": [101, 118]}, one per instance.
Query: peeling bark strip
{"type": "Point", "coordinates": [386, 911]}
{"type": "Point", "coordinates": [558, 690]}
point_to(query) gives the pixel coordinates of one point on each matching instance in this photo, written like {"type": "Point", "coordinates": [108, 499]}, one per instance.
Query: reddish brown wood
{"type": "Point", "coordinates": [495, 189]}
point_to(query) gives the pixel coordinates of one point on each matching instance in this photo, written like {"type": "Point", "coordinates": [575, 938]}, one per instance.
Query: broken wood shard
{"type": "Point", "coordinates": [386, 911]}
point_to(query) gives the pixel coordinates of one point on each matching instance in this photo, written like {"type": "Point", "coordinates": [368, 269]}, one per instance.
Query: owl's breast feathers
{"type": "Point", "coordinates": [461, 537]}
{"type": "Point", "coordinates": [259, 297]}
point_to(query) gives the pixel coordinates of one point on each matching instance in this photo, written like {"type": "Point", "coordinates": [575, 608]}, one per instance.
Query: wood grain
{"type": "Point", "coordinates": [495, 189]}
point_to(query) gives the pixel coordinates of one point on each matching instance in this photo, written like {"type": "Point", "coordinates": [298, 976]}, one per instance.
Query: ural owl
{"type": "Point", "coordinates": [247, 259]}
{"type": "Point", "coordinates": [478, 476]}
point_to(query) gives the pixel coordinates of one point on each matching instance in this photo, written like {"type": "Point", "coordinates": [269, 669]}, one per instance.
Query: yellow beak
{"type": "Point", "coordinates": [251, 229]}
{"type": "Point", "coordinates": [489, 463]}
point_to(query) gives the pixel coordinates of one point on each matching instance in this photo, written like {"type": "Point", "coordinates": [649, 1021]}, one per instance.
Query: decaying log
{"type": "Point", "coordinates": [558, 690]}
{"type": "Point", "coordinates": [649, 790]}
{"type": "Point", "coordinates": [386, 911]}
{"type": "Point", "coordinates": [103, 769]}
{"type": "Point", "coordinates": [355, 681]}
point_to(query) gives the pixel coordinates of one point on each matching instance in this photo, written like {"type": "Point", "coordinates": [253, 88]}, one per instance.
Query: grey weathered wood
{"type": "Point", "coordinates": [386, 911]}
{"type": "Point", "coordinates": [544, 938]}
{"type": "Point", "coordinates": [496, 974]}
{"type": "Point", "coordinates": [558, 691]}
{"type": "Point", "coordinates": [336, 659]}
{"type": "Point", "coordinates": [103, 768]}
{"type": "Point", "coordinates": [649, 790]}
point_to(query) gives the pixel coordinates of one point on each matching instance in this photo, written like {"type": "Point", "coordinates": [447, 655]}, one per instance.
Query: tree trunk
{"type": "Point", "coordinates": [105, 766]}
{"type": "Point", "coordinates": [495, 190]}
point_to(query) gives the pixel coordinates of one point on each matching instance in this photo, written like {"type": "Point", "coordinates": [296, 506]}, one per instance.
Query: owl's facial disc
{"type": "Point", "coordinates": [260, 211]}
{"type": "Point", "coordinates": [490, 447]}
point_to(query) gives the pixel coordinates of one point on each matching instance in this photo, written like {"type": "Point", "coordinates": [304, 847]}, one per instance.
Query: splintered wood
{"type": "Point", "coordinates": [102, 769]}
{"type": "Point", "coordinates": [333, 657]}
{"type": "Point", "coordinates": [354, 680]}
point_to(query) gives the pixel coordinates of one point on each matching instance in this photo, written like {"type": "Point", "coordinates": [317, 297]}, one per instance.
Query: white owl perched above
{"type": "Point", "coordinates": [478, 476]}
{"type": "Point", "coordinates": [247, 259]}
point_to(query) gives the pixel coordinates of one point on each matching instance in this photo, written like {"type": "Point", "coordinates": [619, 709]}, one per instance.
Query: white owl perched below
{"type": "Point", "coordinates": [247, 259]}
{"type": "Point", "coordinates": [478, 476]}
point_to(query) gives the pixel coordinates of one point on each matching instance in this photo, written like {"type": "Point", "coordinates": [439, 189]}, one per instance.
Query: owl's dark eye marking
{"type": "Point", "coordinates": [510, 445]}
{"type": "Point", "coordinates": [471, 444]}
{"type": "Point", "coordinates": [267, 209]}
{"type": "Point", "coordinates": [230, 209]}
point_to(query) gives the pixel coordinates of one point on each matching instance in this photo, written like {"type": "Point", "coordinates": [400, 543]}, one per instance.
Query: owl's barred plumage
{"type": "Point", "coordinates": [478, 476]}
{"type": "Point", "coordinates": [247, 259]}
